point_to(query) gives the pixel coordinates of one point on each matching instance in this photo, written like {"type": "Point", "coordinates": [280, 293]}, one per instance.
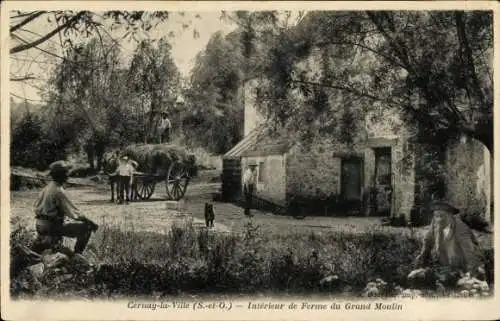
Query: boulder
{"type": "Point", "coordinates": [52, 261]}
{"type": "Point", "coordinates": [410, 293]}
{"type": "Point", "coordinates": [470, 283]}
{"type": "Point", "coordinates": [329, 280]}
{"type": "Point", "coordinates": [37, 270]}
{"type": "Point", "coordinates": [417, 274]}
{"type": "Point", "coordinates": [421, 278]}
{"type": "Point", "coordinates": [375, 288]}
{"type": "Point", "coordinates": [371, 292]}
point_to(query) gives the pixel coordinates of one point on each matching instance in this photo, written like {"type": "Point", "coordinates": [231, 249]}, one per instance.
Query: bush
{"type": "Point", "coordinates": [187, 260]}
{"type": "Point", "coordinates": [32, 147]}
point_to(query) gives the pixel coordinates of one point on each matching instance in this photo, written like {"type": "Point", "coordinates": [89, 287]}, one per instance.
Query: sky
{"type": "Point", "coordinates": [184, 47]}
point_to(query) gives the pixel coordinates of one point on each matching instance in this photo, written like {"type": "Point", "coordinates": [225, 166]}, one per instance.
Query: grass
{"type": "Point", "coordinates": [143, 251]}
{"type": "Point", "coordinates": [186, 260]}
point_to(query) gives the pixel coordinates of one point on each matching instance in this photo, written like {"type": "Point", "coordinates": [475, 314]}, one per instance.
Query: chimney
{"type": "Point", "coordinates": [252, 117]}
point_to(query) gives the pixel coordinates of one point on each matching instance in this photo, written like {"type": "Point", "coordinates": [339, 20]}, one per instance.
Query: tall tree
{"type": "Point", "coordinates": [215, 118]}
{"type": "Point", "coordinates": [87, 98]}
{"type": "Point", "coordinates": [154, 77]}
{"type": "Point", "coordinates": [434, 66]}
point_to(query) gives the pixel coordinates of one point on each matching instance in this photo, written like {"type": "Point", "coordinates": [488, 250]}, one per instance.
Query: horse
{"type": "Point", "coordinates": [109, 165]}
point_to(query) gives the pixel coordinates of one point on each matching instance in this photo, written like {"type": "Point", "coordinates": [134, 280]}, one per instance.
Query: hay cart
{"type": "Point", "coordinates": [176, 181]}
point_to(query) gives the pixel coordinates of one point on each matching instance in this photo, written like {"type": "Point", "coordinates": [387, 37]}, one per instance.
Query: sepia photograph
{"type": "Point", "coordinates": [167, 156]}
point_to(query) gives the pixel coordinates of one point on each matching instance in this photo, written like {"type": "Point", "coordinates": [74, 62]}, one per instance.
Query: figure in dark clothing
{"type": "Point", "coordinates": [249, 182]}
{"type": "Point", "coordinates": [52, 208]}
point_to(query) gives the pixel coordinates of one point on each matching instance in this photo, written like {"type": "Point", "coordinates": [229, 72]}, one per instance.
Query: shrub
{"type": "Point", "coordinates": [189, 260]}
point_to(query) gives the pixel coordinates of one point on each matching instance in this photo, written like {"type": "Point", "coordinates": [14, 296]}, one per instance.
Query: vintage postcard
{"type": "Point", "coordinates": [248, 160]}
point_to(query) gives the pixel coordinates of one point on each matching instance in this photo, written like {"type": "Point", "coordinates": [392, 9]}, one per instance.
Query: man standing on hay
{"type": "Point", "coordinates": [164, 128]}
{"type": "Point", "coordinates": [51, 209]}
{"type": "Point", "coordinates": [249, 181]}
{"type": "Point", "coordinates": [450, 242]}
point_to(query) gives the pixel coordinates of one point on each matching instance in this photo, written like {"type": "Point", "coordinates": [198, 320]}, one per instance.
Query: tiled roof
{"type": "Point", "coordinates": [247, 142]}
{"type": "Point", "coordinates": [259, 143]}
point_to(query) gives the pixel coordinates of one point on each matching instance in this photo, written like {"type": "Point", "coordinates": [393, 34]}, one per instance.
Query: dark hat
{"type": "Point", "coordinates": [443, 206]}
{"type": "Point", "coordinates": [59, 167]}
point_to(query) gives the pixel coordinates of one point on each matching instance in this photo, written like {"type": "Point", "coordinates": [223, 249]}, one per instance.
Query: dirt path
{"type": "Point", "coordinates": [154, 214]}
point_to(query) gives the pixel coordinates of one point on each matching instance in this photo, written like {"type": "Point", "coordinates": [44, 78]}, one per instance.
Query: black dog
{"type": "Point", "coordinates": [209, 214]}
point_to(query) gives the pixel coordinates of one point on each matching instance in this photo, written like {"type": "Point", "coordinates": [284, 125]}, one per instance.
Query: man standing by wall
{"type": "Point", "coordinates": [249, 181]}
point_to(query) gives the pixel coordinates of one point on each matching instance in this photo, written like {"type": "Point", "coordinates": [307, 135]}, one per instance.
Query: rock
{"type": "Point", "coordinates": [485, 287]}
{"type": "Point", "coordinates": [329, 281]}
{"type": "Point", "coordinates": [419, 273]}
{"type": "Point", "coordinates": [468, 283]}
{"type": "Point", "coordinates": [37, 270]}
{"type": "Point", "coordinates": [464, 293]}
{"type": "Point", "coordinates": [421, 278]}
{"type": "Point", "coordinates": [410, 293]}
{"type": "Point", "coordinates": [54, 260]}
{"type": "Point", "coordinates": [398, 289]}
{"type": "Point", "coordinates": [371, 292]}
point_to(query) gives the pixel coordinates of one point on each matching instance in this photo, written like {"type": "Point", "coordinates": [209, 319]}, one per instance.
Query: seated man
{"type": "Point", "coordinates": [52, 207]}
{"type": "Point", "coordinates": [450, 242]}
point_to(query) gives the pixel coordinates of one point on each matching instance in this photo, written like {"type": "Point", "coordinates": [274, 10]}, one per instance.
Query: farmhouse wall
{"type": "Point", "coordinates": [468, 176]}
{"type": "Point", "coordinates": [316, 169]}
{"type": "Point", "coordinates": [384, 128]}
{"type": "Point", "coordinates": [313, 172]}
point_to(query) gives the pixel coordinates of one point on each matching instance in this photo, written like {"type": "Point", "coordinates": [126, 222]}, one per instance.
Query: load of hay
{"type": "Point", "coordinates": [157, 158]}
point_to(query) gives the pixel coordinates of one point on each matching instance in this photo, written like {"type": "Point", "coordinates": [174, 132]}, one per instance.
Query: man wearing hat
{"type": "Point", "coordinates": [249, 181]}
{"type": "Point", "coordinates": [450, 241]}
{"type": "Point", "coordinates": [125, 172]}
{"type": "Point", "coordinates": [164, 128]}
{"type": "Point", "coordinates": [51, 209]}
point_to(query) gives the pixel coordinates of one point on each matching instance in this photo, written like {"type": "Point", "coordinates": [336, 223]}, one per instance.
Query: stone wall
{"type": "Point", "coordinates": [313, 171]}
{"type": "Point", "coordinates": [385, 124]}
{"type": "Point", "coordinates": [468, 176]}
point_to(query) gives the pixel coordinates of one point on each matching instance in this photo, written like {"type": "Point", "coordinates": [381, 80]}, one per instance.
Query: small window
{"type": "Point", "coordinates": [261, 172]}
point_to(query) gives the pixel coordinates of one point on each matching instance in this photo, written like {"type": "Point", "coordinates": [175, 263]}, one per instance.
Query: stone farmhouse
{"type": "Point", "coordinates": [375, 175]}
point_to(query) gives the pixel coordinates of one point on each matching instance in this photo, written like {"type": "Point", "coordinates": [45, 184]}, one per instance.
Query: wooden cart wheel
{"type": "Point", "coordinates": [144, 188]}
{"type": "Point", "coordinates": [177, 181]}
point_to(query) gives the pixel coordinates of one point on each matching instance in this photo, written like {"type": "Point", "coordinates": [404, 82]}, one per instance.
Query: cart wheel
{"type": "Point", "coordinates": [144, 188]}
{"type": "Point", "coordinates": [177, 181]}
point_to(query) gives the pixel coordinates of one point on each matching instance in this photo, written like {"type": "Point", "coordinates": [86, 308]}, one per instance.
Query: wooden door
{"type": "Point", "coordinates": [383, 181]}
{"type": "Point", "coordinates": [351, 179]}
